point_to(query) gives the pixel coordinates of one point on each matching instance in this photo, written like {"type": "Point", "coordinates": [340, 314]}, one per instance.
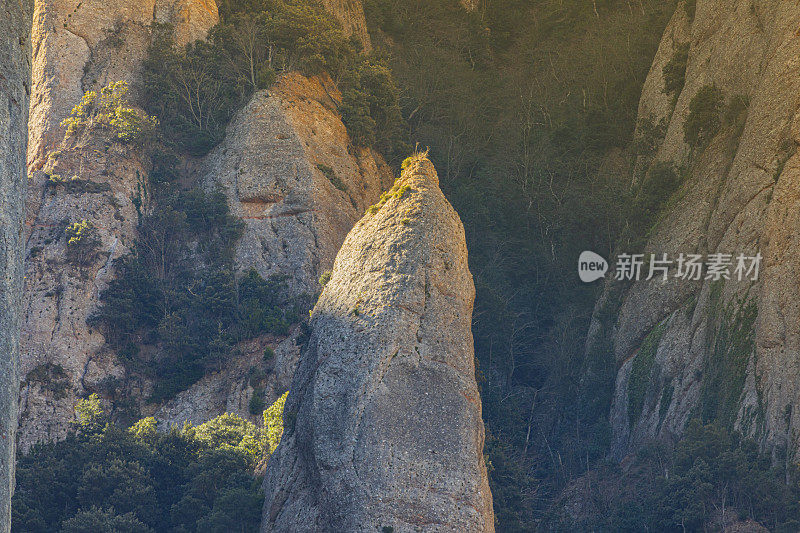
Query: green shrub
{"type": "Point", "coordinates": [371, 109]}
{"type": "Point", "coordinates": [196, 91]}
{"type": "Point", "coordinates": [256, 405]}
{"type": "Point", "coordinates": [725, 368]}
{"type": "Point", "coordinates": [76, 185]}
{"type": "Point", "coordinates": [108, 108]}
{"type": "Point", "coordinates": [704, 120]}
{"type": "Point", "coordinates": [397, 191]}
{"type": "Point", "coordinates": [103, 478]}
{"type": "Point", "coordinates": [50, 377]}
{"type": "Point", "coordinates": [273, 422]}
{"type": "Point", "coordinates": [179, 292]}
{"type": "Point", "coordinates": [659, 184]}
{"type": "Point", "coordinates": [332, 177]}
{"type": "Point", "coordinates": [649, 135]}
{"type": "Point", "coordinates": [82, 241]}
{"type": "Point", "coordinates": [640, 372]}
{"type": "Point", "coordinates": [325, 277]}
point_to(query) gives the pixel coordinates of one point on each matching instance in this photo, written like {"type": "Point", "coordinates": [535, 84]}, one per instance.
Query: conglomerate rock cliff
{"type": "Point", "coordinates": [81, 46]}
{"type": "Point", "coordinates": [350, 14]}
{"type": "Point", "coordinates": [291, 174]}
{"type": "Point", "coordinates": [726, 350]}
{"type": "Point", "coordinates": [15, 67]}
{"type": "Point", "coordinates": [93, 180]}
{"type": "Point", "coordinates": [287, 165]}
{"type": "Point", "coordinates": [383, 426]}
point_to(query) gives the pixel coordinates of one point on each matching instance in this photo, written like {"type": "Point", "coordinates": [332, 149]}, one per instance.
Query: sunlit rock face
{"type": "Point", "coordinates": [350, 14]}
{"type": "Point", "coordinates": [725, 350]}
{"type": "Point", "coordinates": [80, 46]}
{"type": "Point", "coordinates": [84, 44]}
{"type": "Point", "coordinates": [383, 420]}
{"type": "Point", "coordinates": [291, 173]}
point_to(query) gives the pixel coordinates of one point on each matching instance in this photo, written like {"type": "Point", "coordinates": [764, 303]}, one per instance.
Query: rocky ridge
{"type": "Point", "coordinates": [87, 177]}
{"type": "Point", "coordinates": [287, 167]}
{"type": "Point", "coordinates": [383, 423]}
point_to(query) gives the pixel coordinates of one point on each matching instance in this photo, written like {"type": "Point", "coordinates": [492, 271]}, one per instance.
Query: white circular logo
{"type": "Point", "coordinates": [591, 267]}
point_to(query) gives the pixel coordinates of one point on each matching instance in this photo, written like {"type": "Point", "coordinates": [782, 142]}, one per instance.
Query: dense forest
{"type": "Point", "coordinates": [528, 110]}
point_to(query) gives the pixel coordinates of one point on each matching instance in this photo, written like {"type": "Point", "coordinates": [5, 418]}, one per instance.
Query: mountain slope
{"type": "Point", "coordinates": [724, 350]}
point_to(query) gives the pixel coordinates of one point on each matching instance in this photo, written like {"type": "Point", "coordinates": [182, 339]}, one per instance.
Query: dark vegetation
{"type": "Point", "coordinates": [529, 109]}
{"type": "Point", "coordinates": [178, 308]}
{"type": "Point", "coordinates": [710, 479]}
{"type": "Point", "coordinates": [196, 91]}
{"type": "Point", "coordinates": [106, 479]}
{"type": "Point", "coordinates": [705, 116]}
{"type": "Point", "coordinates": [179, 290]}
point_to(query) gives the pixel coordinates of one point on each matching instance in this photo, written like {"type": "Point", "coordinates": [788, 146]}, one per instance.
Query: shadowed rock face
{"type": "Point", "coordinates": [741, 195]}
{"type": "Point", "coordinates": [15, 23]}
{"type": "Point", "coordinates": [383, 421]}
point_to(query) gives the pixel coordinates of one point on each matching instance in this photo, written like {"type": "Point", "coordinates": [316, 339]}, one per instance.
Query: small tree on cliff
{"type": "Point", "coordinates": [109, 108]}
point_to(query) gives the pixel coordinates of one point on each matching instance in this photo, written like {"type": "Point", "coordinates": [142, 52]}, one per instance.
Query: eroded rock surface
{"type": "Point", "coordinates": [290, 172]}
{"type": "Point", "coordinates": [85, 44]}
{"type": "Point", "coordinates": [231, 389]}
{"type": "Point", "coordinates": [78, 46]}
{"type": "Point", "coordinates": [383, 422]}
{"type": "Point", "coordinates": [15, 67]}
{"type": "Point", "coordinates": [62, 357]}
{"type": "Point", "coordinates": [726, 349]}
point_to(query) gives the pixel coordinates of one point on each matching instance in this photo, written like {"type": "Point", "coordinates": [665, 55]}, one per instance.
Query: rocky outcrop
{"type": "Point", "coordinates": [231, 390]}
{"type": "Point", "coordinates": [287, 165]}
{"type": "Point", "coordinates": [292, 175]}
{"type": "Point", "coordinates": [86, 44]}
{"type": "Point", "coordinates": [89, 179]}
{"type": "Point", "coordinates": [727, 349]}
{"type": "Point", "coordinates": [15, 67]}
{"type": "Point", "coordinates": [383, 426]}
{"type": "Point", "coordinates": [350, 14]}
{"type": "Point", "coordinates": [80, 46]}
